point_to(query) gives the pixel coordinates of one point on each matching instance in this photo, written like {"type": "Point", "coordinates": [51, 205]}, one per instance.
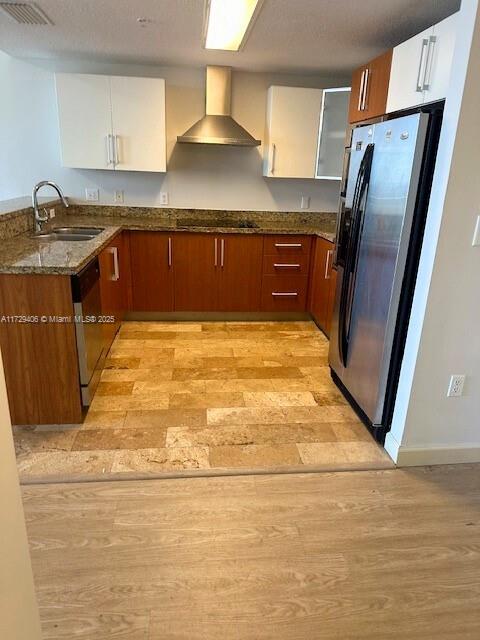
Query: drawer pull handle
{"type": "Point", "coordinates": [288, 245]}
{"type": "Point", "coordinates": [284, 294]}
{"type": "Point", "coordinates": [286, 266]}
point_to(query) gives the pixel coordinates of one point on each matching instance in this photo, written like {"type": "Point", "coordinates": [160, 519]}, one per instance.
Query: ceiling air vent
{"type": "Point", "coordinates": [24, 13]}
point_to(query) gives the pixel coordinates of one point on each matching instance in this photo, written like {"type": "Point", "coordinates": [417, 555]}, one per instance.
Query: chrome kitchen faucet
{"type": "Point", "coordinates": [40, 218]}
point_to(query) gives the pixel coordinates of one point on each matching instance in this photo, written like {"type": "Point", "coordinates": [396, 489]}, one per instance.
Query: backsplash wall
{"type": "Point", "coordinates": [198, 177]}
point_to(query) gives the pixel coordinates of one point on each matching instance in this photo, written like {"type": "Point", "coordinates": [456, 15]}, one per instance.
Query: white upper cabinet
{"type": "Point", "coordinates": [444, 34]}
{"type": "Point", "coordinates": [421, 67]}
{"type": "Point", "coordinates": [291, 136]}
{"type": "Point", "coordinates": [332, 133]}
{"type": "Point", "coordinates": [138, 123]}
{"type": "Point", "coordinates": [112, 122]}
{"type": "Point", "coordinates": [85, 120]}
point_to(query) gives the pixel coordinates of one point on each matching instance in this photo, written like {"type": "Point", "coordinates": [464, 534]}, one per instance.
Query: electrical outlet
{"type": "Point", "coordinates": [305, 202]}
{"type": "Point", "coordinates": [51, 213]}
{"type": "Point", "coordinates": [476, 234]}
{"type": "Point", "coordinates": [118, 197]}
{"type": "Point", "coordinates": [163, 197]}
{"type": "Point", "coordinates": [92, 195]}
{"type": "Point", "coordinates": [455, 388]}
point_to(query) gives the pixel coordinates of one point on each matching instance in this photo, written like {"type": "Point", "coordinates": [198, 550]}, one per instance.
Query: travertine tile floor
{"type": "Point", "coordinates": [191, 397]}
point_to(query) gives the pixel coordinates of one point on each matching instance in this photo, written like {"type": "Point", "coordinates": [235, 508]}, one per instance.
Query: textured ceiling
{"type": "Point", "coordinates": [290, 35]}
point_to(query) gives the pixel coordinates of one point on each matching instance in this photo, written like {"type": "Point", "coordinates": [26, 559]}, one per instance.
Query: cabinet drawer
{"type": "Point", "coordinates": [294, 265]}
{"type": "Point", "coordinates": [284, 293]}
{"type": "Point", "coordinates": [287, 245]}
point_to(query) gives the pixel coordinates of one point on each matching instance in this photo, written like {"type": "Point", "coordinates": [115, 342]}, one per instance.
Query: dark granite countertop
{"type": "Point", "coordinates": [24, 254]}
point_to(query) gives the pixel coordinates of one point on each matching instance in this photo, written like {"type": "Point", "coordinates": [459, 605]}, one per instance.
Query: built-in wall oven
{"type": "Point", "coordinates": [87, 308]}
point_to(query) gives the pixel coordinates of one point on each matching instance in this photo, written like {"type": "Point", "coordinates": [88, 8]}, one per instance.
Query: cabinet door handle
{"type": "Point", "coordinates": [286, 266]}
{"type": "Point", "coordinates": [327, 264]}
{"type": "Point", "coordinates": [108, 144]}
{"type": "Point", "coordinates": [429, 64]}
{"type": "Point", "coordinates": [273, 153]}
{"type": "Point", "coordinates": [288, 245]}
{"type": "Point", "coordinates": [421, 67]}
{"type": "Point", "coordinates": [216, 253]}
{"type": "Point", "coordinates": [284, 294]}
{"type": "Point", "coordinates": [169, 252]}
{"type": "Point", "coordinates": [222, 252]}
{"type": "Point", "coordinates": [360, 93]}
{"type": "Point", "coordinates": [116, 269]}
{"type": "Point", "coordinates": [365, 89]}
{"type": "Point", "coordinates": [117, 149]}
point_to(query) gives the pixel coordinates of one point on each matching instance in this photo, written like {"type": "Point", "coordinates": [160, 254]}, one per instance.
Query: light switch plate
{"type": "Point", "coordinates": [118, 197]}
{"type": "Point", "coordinates": [476, 234]}
{"type": "Point", "coordinates": [51, 213]}
{"type": "Point", "coordinates": [305, 202]}
{"type": "Point", "coordinates": [163, 197]}
{"type": "Point", "coordinates": [92, 195]}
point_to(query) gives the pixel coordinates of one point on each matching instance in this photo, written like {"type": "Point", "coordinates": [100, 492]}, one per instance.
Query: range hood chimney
{"type": "Point", "coordinates": [218, 126]}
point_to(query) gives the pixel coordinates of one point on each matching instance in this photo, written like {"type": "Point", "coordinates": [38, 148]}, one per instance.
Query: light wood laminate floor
{"type": "Point", "coordinates": [205, 398]}
{"type": "Point", "coordinates": [375, 555]}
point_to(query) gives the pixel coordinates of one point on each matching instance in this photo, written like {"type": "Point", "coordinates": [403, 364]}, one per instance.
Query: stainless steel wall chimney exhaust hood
{"type": "Point", "coordinates": [218, 126]}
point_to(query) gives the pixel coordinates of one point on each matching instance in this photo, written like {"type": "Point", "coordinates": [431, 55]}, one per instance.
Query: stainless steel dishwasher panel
{"type": "Point", "coordinates": [87, 307]}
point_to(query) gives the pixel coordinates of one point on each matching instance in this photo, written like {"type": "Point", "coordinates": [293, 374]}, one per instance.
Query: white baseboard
{"type": "Point", "coordinates": [420, 456]}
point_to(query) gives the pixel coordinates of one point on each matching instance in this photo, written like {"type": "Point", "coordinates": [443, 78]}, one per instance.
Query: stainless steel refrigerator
{"type": "Point", "coordinates": [388, 172]}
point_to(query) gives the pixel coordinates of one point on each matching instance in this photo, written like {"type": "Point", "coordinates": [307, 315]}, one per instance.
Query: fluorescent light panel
{"type": "Point", "coordinates": [228, 22]}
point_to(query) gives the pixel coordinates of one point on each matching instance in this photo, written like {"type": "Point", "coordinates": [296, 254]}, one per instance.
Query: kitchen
{"type": "Point", "coordinates": [179, 282]}
{"type": "Point", "coordinates": [238, 322]}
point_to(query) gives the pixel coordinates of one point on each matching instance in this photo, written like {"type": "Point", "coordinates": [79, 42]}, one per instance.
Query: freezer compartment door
{"type": "Point", "coordinates": [382, 255]}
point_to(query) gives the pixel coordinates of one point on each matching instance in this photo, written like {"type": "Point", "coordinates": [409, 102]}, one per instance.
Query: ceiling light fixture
{"type": "Point", "coordinates": [228, 23]}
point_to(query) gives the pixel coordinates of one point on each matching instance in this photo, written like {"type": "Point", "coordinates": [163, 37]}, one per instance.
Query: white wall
{"type": "Point", "coordinates": [444, 334]}
{"type": "Point", "coordinates": [19, 618]}
{"type": "Point", "coordinates": [198, 176]}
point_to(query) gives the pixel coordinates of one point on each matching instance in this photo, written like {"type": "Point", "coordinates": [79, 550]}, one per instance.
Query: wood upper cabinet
{"type": "Point", "coordinates": [115, 123]}
{"type": "Point", "coordinates": [421, 66]}
{"type": "Point", "coordinates": [293, 115]}
{"type": "Point", "coordinates": [195, 259]}
{"type": "Point", "coordinates": [151, 256]}
{"type": "Point", "coordinates": [114, 275]}
{"type": "Point", "coordinates": [321, 303]}
{"type": "Point", "coordinates": [240, 269]}
{"type": "Point", "coordinates": [368, 98]}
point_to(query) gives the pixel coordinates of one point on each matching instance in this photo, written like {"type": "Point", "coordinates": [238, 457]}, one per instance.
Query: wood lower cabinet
{"type": "Point", "coordinates": [40, 356]}
{"type": "Point", "coordinates": [368, 98]}
{"type": "Point", "coordinates": [284, 293]}
{"type": "Point", "coordinates": [322, 288]}
{"type": "Point", "coordinates": [195, 272]}
{"type": "Point", "coordinates": [286, 261]}
{"type": "Point", "coordinates": [195, 266]}
{"type": "Point", "coordinates": [114, 275]}
{"type": "Point", "coordinates": [240, 268]}
{"type": "Point", "coordinates": [151, 256]}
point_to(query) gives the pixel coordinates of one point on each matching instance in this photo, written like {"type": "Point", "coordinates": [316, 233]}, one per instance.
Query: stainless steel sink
{"type": "Point", "coordinates": [62, 237]}
{"type": "Point", "coordinates": [89, 231]}
{"type": "Point", "coordinates": [69, 234]}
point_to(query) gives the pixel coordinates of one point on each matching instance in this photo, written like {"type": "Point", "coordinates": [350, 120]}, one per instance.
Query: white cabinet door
{"type": "Point", "coordinates": [85, 120]}
{"type": "Point", "coordinates": [409, 61]}
{"type": "Point", "coordinates": [138, 120]}
{"type": "Point", "coordinates": [293, 116]}
{"type": "Point", "coordinates": [442, 45]}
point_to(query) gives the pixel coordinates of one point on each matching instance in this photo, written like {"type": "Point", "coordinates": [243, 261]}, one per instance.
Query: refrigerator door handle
{"type": "Point", "coordinates": [348, 284]}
